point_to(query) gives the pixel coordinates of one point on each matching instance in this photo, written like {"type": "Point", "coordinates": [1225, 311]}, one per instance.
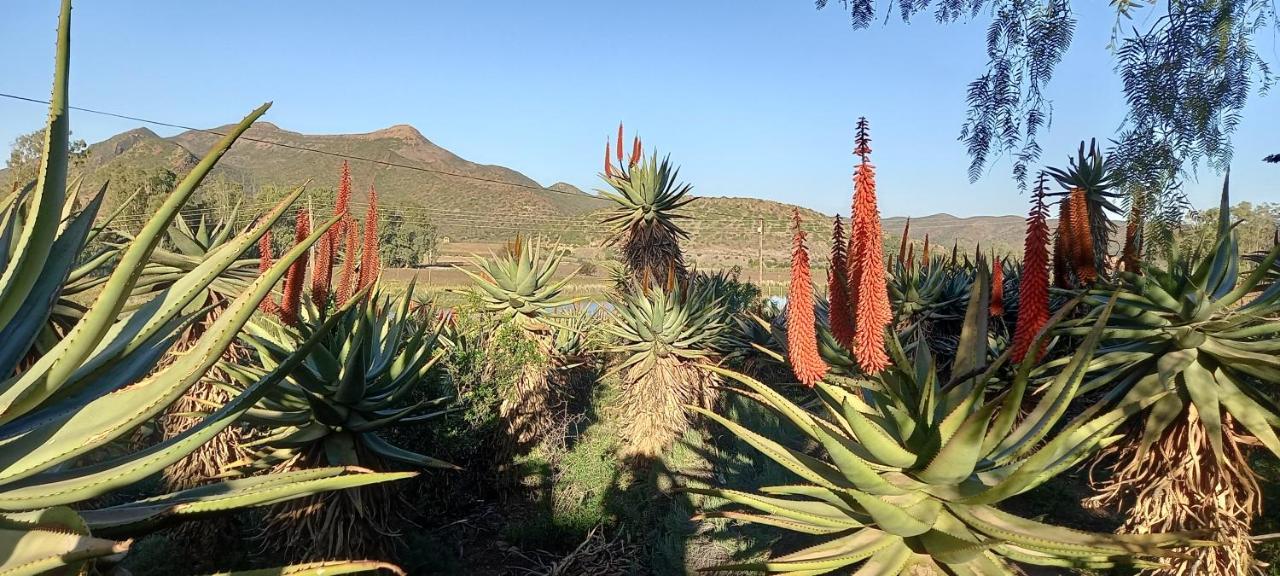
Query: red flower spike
{"type": "Point", "coordinates": [840, 313]}
{"type": "Point", "coordinates": [1081, 237]}
{"type": "Point", "coordinates": [265, 256]}
{"type": "Point", "coordinates": [293, 280]}
{"type": "Point", "coordinates": [370, 263]}
{"type": "Point", "coordinates": [1033, 293]}
{"type": "Point", "coordinates": [322, 269]}
{"type": "Point", "coordinates": [343, 203]}
{"type": "Point", "coordinates": [911, 256]}
{"type": "Point", "coordinates": [853, 272]}
{"type": "Point", "coordinates": [871, 298]}
{"type": "Point", "coordinates": [924, 260]}
{"type": "Point", "coordinates": [636, 151]}
{"type": "Point", "coordinates": [906, 241]}
{"type": "Point", "coordinates": [265, 260]}
{"type": "Point", "coordinates": [619, 143]}
{"type": "Point", "coordinates": [608, 166]}
{"type": "Point", "coordinates": [347, 280]}
{"type": "Point", "coordinates": [802, 337]}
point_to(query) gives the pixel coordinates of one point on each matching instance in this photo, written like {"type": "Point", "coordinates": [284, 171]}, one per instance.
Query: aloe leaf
{"type": "Point", "coordinates": [806, 467]}
{"type": "Point", "coordinates": [36, 551]}
{"type": "Point", "coordinates": [807, 511]}
{"type": "Point", "coordinates": [17, 335]}
{"type": "Point", "coordinates": [1250, 414]}
{"type": "Point", "coordinates": [55, 488]}
{"type": "Point", "coordinates": [890, 560]}
{"type": "Point", "coordinates": [972, 350]}
{"type": "Point", "coordinates": [958, 458]}
{"type": "Point", "coordinates": [832, 555]}
{"type": "Point", "coordinates": [1038, 535]}
{"type": "Point", "coordinates": [43, 379]}
{"type": "Point", "coordinates": [386, 450]}
{"type": "Point", "coordinates": [326, 568]}
{"type": "Point", "coordinates": [1203, 390]}
{"type": "Point", "coordinates": [893, 519]}
{"type": "Point", "coordinates": [133, 517]}
{"type": "Point", "coordinates": [36, 239]}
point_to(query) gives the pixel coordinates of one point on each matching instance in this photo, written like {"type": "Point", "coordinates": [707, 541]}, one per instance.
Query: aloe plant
{"type": "Point", "coordinates": [1203, 337]}
{"type": "Point", "coordinates": [644, 221]}
{"type": "Point", "coordinates": [912, 469]}
{"type": "Point", "coordinates": [371, 367]}
{"type": "Point", "coordinates": [662, 334]}
{"type": "Point", "coordinates": [519, 283]}
{"type": "Point", "coordinates": [519, 286]}
{"type": "Point", "coordinates": [100, 379]}
{"type": "Point", "coordinates": [371, 370]}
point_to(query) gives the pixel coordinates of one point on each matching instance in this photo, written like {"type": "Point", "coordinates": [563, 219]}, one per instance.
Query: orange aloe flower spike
{"type": "Point", "coordinates": [802, 337]}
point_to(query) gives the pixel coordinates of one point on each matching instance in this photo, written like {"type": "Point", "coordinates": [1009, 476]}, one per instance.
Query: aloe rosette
{"type": "Point", "coordinates": [912, 470]}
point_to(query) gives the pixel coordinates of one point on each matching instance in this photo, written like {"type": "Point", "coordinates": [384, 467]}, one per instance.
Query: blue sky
{"type": "Point", "coordinates": [752, 98]}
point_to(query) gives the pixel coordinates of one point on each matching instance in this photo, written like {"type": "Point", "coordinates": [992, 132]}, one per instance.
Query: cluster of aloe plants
{"type": "Point", "coordinates": [927, 391]}
{"type": "Point", "coordinates": [905, 464]}
{"type": "Point", "coordinates": [69, 392]}
{"type": "Point", "coordinates": [913, 466]}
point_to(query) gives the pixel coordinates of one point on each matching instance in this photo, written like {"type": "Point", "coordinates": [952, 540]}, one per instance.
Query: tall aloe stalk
{"type": "Point", "coordinates": [1033, 291]}
{"type": "Point", "coordinates": [871, 294]}
{"type": "Point", "coordinates": [802, 339]}
{"type": "Point", "coordinates": [644, 221]}
{"type": "Point", "coordinates": [519, 286]}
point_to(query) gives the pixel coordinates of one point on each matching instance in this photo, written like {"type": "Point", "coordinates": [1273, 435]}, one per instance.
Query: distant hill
{"type": "Point", "coordinates": [473, 202]}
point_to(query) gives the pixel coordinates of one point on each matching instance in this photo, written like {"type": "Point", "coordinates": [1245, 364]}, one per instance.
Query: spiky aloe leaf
{"type": "Point", "coordinates": [133, 517]}
{"type": "Point", "coordinates": [330, 568]}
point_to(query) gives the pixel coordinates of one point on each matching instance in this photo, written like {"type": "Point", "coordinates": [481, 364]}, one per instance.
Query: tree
{"type": "Point", "coordinates": [1256, 231]}
{"type": "Point", "coordinates": [24, 157]}
{"type": "Point", "coordinates": [1186, 76]}
{"type": "Point", "coordinates": [407, 242]}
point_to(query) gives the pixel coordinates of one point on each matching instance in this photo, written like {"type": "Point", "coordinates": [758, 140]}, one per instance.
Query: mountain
{"type": "Point", "coordinates": [425, 175]}
{"type": "Point", "coordinates": [475, 202]}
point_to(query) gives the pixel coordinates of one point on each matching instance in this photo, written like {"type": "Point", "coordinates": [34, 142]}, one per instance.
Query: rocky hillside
{"type": "Point", "coordinates": [475, 202]}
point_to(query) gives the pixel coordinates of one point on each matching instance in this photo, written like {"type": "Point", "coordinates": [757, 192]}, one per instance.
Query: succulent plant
{"type": "Point", "coordinates": [372, 370]}
{"type": "Point", "coordinates": [1201, 336]}
{"type": "Point", "coordinates": [367, 374]}
{"type": "Point", "coordinates": [927, 292]}
{"type": "Point", "coordinates": [663, 334]}
{"type": "Point", "coordinates": [104, 377]}
{"type": "Point", "coordinates": [519, 286]}
{"type": "Point", "coordinates": [1084, 228]}
{"type": "Point", "coordinates": [520, 282]}
{"type": "Point", "coordinates": [644, 221]}
{"type": "Point", "coordinates": [912, 469]}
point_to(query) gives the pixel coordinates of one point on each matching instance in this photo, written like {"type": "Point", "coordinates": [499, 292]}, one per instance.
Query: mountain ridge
{"type": "Point", "coordinates": [467, 199]}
